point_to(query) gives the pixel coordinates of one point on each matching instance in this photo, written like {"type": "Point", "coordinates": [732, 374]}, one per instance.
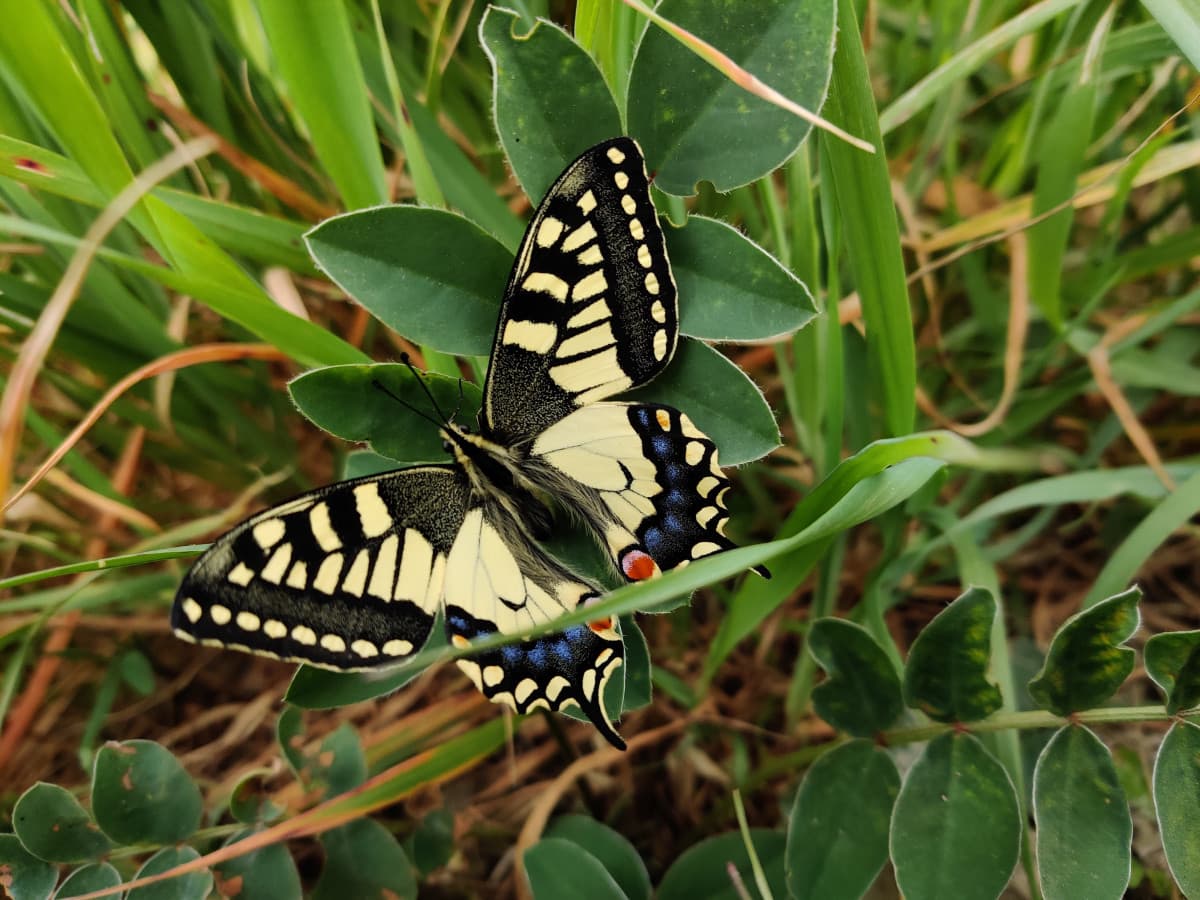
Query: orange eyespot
{"type": "Point", "coordinates": [459, 641]}
{"type": "Point", "coordinates": [638, 565]}
{"type": "Point", "coordinates": [601, 625]}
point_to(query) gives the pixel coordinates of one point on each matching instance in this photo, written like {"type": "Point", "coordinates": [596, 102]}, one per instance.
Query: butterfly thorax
{"type": "Point", "coordinates": [495, 473]}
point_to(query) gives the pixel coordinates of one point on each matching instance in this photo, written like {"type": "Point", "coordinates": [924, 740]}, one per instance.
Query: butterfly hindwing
{"type": "Point", "coordinates": [590, 309]}
{"type": "Point", "coordinates": [499, 581]}
{"type": "Point", "coordinates": [346, 577]}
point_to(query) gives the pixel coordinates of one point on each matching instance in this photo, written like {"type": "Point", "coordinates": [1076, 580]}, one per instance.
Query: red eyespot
{"type": "Point", "coordinates": [637, 565]}
{"type": "Point", "coordinates": [601, 625]}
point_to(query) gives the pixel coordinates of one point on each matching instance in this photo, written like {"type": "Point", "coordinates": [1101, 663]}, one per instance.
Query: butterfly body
{"type": "Point", "coordinates": [352, 576]}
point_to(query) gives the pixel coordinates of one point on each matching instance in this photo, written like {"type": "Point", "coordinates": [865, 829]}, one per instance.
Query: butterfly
{"type": "Point", "coordinates": [352, 576]}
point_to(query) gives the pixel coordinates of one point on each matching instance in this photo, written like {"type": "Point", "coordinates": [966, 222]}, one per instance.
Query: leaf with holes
{"type": "Point", "coordinates": [54, 827]}
{"type": "Point", "coordinates": [141, 794]}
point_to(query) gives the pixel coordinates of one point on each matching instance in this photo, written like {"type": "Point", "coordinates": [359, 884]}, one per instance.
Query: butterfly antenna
{"type": "Point", "coordinates": [379, 385]}
{"type": "Point", "coordinates": [461, 398]}
{"type": "Point", "coordinates": [420, 376]}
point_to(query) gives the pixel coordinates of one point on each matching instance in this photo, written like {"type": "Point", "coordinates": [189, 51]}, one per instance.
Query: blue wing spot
{"type": "Point", "coordinates": [643, 416]}
{"type": "Point", "coordinates": [676, 497]}
{"type": "Point", "coordinates": [661, 444]}
{"type": "Point", "coordinates": [672, 522]}
{"type": "Point", "coordinates": [511, 654]}
{"type": "Point", "coordinates": [562, 650]}
{"type": "Point", "coordinates": [537, 655]}
{"type": "Point", "coordinates": [653, 539]}
{"type": "Point", "coordinates": [575, 633]}
{"type": "Point", "coordinates": [459, 623]}
{"type": "Point", "coordinates": [675, 473]}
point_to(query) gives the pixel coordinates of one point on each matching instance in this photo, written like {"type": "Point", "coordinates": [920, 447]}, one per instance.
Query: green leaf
{"type": "Point", "coordinates": [956, 829]}
{"type": "Point", "coordinates": [1181, 20]}
{"type": "Point", "coordinates": [317, 61]}
{"type": "Point", "coordinates": [550, 100]}
{"type": "Point", "coordinates": [638, 689]}
{"type": "Point", "coordinates": [137, 672]}
{"type": "Point", "coordinates": [339, 764]}
{"type": "Point", "coordinates": [611, 849]}
{"type": "Point", "coordinates": [559, 868]}
{"type": "Point", "coordinates": [268, 873]}
{"type": "Point", "coordinates": [837, 838]}
{"type": "Point", "coordinates": [362, 859]}
{"type": "Point", "coordinates": [1083, 822]}
{"type": "Point", "coordinates": [432, 843]}
{"type": "Point", "coordinates": [431, 275]}
{"type": "Point", "coordinates": [702, 870]}
{"type": "Point", "coordinates": [359, 403]}
{"type": "Point", "coordinates": [1086, 662]}
{"type": "Point", "coordinates": [695, 123]}
{"type": "Point", "coordinates": [192, 886]}
{"type": "Point", "coordinates": [22, 874]}
{"type": "Point", "coordinates": [861, 691]}
{"type": "Point", "coordinates": [364, 462]}
{"type": "Point", "coordinates": [86, 879]}
{"type": "Point", "coordinates": [946, 676]}
{"type": "Point", "coordinates": [730, 288]}
{"type": "Point", "coordinates": [1173, 661]}
{"type": "Point", "coordinates": [142, 795]}
{"type": "Point", "coordinates": [1176, 799]}
{"type": "Point", "coordinates": [54, 827]}
{"type": "Point", "coordinates": [719, 399]}
{"type": "Point", "coordinates": [250, 802]}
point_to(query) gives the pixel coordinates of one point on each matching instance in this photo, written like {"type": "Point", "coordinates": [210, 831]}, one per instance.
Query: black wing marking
{"type": "Point", "coordinates": [499, 581]}
{"type": "Point", "coordinates": [646, 480]}
{"type": "Point", "coordinates": [346, 577]}
{"type": "Point", "coordinates": [590, 309]}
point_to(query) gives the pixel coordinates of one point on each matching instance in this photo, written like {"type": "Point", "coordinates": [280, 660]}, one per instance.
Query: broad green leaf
{"type": "Point", "coordinates": [1173, 661]}
{"type": "Point", "coordinates": [956, 829]}
{"type": "Point", "coordinates": [838, 832]}
{"type": "Point", "coordinates": [861, 691]}
{"type": "Point", "coordinates": [363, 859]}
{"type": "Point", "coordinates": [558, 868]}
{"type": "Point", "coordinates": [638, 689]}
{"type": "Point", "coordinates": [339, 764]}
{"type": "Point", "coordinates": [141, 794]}
{"type": "Point", "coordinates": [86, 879]}
{"type": "Point", "coordinates": [430, 275]}
{"type": "Point", "coordinates": [694, 122]}
{"type": "Point", "coordinates": [946, 676]}
{"type": "Point", "coordinates": [365, 462]}
{"type": "Point", "coordinates": [28, 877]}
{"type": "Point", "coordinates": [289, 734]}
{"type": "Point", "coordinates": [730, 288]}
{"type": "Point", "coordinates": [359, 403]}
{"type": "Point", "coordinates": [268, 873]}
{"type": "Point", "coordinates": [250, 802]}
{"type": "Point", "coordinates": [611, 849]}
{"type": "Point", "coordinates": [54, 827]}
{"type": "Point", "coordinates": [192, 886]}
{"type": "Point", "coordinates": [431, 845]}
{"type": "Point", "coordinates": [1083, 822]}
{"type": "Point", "coordinates": [550, 100]}
{"type": "Point", "coordinates": [703, 869]}
{"type": "Point", "coordinates": [316, 59]}
{"type": "Point", "coordinates": [719, 399]}
{"type": "Point", "coordinates": [861, 188]}
{"type": "Point", "coordinates": [1176, 799]}
{"type": "Point", "coordinates": [1086, 662]}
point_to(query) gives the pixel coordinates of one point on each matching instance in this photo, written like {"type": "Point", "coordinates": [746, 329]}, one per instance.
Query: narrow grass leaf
{"type": "Point", "coordinates": [703, 869]}
{"type": "Point", "coordinates": [268, 873]}
{"type": "Point", "coordinates": [1173, 661]}
{"type": "Point", "coordinates": [1181, 20]}
{"type": "Point", "coordinates": [695, 123]}
{"type": "Point", "coordinates": [28, 877]}
{"type": "Point", "coordinates": [837, 838]}
{"type": "Point", "coordinates": [956, 829]}
{"type": "Point", "coordinates": [86, 879]}
{"type": "Point", "coordinates": [1087, 661]}
{"type": "Point", "coordinates": [550, 101]}
{"type": "Point", "coordinates": [861, 691]}
{"type": "Point", "coordinates": [1176, 799]}
{"type": "Point", "coordinates": [142, 794]}
{"type": "Point", "coordinates": [946, 675]}
{"type": "Point", "coordinates": [54, 827]}
{"type": "Point", "coordinates": [611, 849]}
{"type": "Point", "coordinates": [191, 886]}
{"type": "Point", "coordinates": [562, 868]}
{"type": "Point", "coordinates": [1083, 821]}
{"type": "Point", "coordinates": [731, 289]}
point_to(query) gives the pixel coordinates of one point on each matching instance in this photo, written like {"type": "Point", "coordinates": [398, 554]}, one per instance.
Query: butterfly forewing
{"type": "Point", "coordinates": [345, 577]}
{"type": "Point", "coordinates": [590, 309]}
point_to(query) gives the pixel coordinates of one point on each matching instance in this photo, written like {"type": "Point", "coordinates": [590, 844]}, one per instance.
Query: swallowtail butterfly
{"type": "Point", "coordinates": [351, 576]}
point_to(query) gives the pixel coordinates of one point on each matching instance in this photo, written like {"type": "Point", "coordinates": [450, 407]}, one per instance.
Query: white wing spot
{"type": "Point", "coordinates": [471, 670]}
{"type": "Point", "coordinates": [658, 312]}
{"type": "Point", "coordinates": [704, 548]}
{"type": "Point", "coordinates": [643, 256]}
{"type": "Point", "coordinates": [604, 655]}
{"type": "Point", "coordinates": [628, 204]}
{"type": "Point", "coordinates": [242, 574]}
{"type": "Point", "coordinates": [416, 561]}
{"type": "Point", "coordinates": [433, 592]}
{"type": "Point", "coordinates": [220, 614]}
{"type": "Point", "coordinates": [706, 515]}
{"type": "Point", "coordinates": [493, 675]}
{"type": "Point", "coordinates": [385, 568]}
{"type": "Point", "coordinates": [651, 283]}
{"type": "Point", "coordinates": [333, 643]}
{"type": "Point", "coordinates": [636, 229]}
{"type": "Point", "coordinates": [298, 577]}
{"type": "Point", "coordinates": [549, 231]}
{"type": "Point", "coordinates": [327, 576]}
{"type": "Point", "coordinates": [660, 343]}
{"type": "Point", "coordinates": [277, 564]}
{"type": "Point", "coordinates": [269, 532]}
{"type": "Point", "coordinates": [274, 629]}
{"type": "Point", "coordinates": [365, 649]}
{"type": "Point", "coordinates": [247, 621]}
{"type": "Point", "coordinates": [396, 647]}
{"type": "Point", "coordinates": [524, 689]}
{"type": "Point", "coordinates": [601, 369]}
{"type": "Point", "coordinates": [615, 155]}
{"type": "Point", "coordinates": [556, 686]}
{"type": "Point", "coordinates": [589, 683]}
{"type": "Point", "coordinates": [706, 485]}
{"type": "Point", "coordinates": [192, 610]}
{"type": "Point", "coordinates": [302, 634]}
{"type": "Point", "coordinates": [590, 285]}
{"type": "Point", "coordinates": [372, 511]}
{"type": "Point", "coordinates": [545, 283]}
{"type": "Point", "coordinates": [581, 236]}
{"type": "Point", "coordinates": [322, 528]}
{"type": "Point", "coordinates": [586, 203]}
{"type": "Point", "coordinates": [587, 341]}
{"type": "Point", "coordinates": [622, 180]}
{"type": "Point", "coordinates": [591, 256]}
{"type": "Point", "coordinates": [536, 337]}
{"type": "Point", "coordinates": [693, 453]}
{"type": "Point", "coordinates": [593, 312]}
{"type": "Point", "coordinates": [355, 581]}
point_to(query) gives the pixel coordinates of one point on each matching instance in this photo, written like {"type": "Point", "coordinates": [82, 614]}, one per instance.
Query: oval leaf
{"type": "Point", "coordinates": [638, 689]}
{"type": "Point", "coordinates": [1176, 798]}
{"type": "Point", "coordinates": [946, 673]}
{"type": "Point", "coordinates": [1083, 821]}
{"type": "Point", "coordinates": [959, 802]}
{"type": "Point", "coordinates": [861, 692]}
{"type": "Point", "coordinates": [23, 874]}
{"type": "Point", "coordinates": [1086, 662]}
{"type": "Point", "coordinates": [837, 838]}
{"type": "Point", "coordinates": [1173, 661]}
{"type": "Point", "coordinates": [611, 849]}
{"type": "Point", "coordinates": [695, 123]}
{"type": "Point", "coordinates": [192, 886]}
{"type": "Point", "coordinates": [250, 801]}
{"type": "Point", "coordinates": [268, 873]}
{"type": "Point", "coordinates": [362, 859]}
{"type": "Point", "coordinates": [432, 844]}
{"type": "Point", "coordinates": [560, 868]}
{"type": "Point", "coordinates": [430, 275]}
{"type": "Point", "coordinates": [550, 100]}
{"type": "Point", "coordinates": [367, 403]}
{"type": "Point", "coordinates": [339, 764]}
{"type": "Point", "coordinates": [734, 289]}
{"type": "Point", "coordinates": [54, 827]}
{"type": "Point", "coordinates": [703, 869]}
{"type": "Point", "coordinates": [86, 879]}
{"type": "Point", "coordinates": [719, 398]}
{"type": "Point", "coordinates": [142, 795]}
